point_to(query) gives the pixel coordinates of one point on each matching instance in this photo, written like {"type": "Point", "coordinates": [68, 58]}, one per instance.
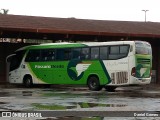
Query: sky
{"type": "Point", "coordinates": [119, 10]}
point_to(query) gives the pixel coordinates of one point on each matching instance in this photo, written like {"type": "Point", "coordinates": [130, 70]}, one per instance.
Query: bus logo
{"type": "Point", "coordinates": [81, 67]}
{"type": "Point", "coordinates": [76, 69]}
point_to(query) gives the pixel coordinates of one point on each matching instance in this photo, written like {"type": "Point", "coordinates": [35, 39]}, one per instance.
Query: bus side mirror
{"type": "Point", "coordinates": [131, 48]}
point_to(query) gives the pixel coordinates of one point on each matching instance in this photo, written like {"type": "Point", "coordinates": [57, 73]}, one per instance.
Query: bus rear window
{"type": "Point", "coordinates": [143, 48]}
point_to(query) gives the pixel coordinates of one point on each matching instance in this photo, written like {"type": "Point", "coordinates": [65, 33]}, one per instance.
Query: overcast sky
{"type": "Point", "coordinates": [123, 10]}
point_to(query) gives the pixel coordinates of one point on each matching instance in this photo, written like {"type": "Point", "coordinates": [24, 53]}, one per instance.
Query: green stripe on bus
{"type": "Point", "coordinates": [105, 70]}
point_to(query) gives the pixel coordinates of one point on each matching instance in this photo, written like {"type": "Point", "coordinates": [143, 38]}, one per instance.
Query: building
{"type": "Point", "coordinates": [72, 29]}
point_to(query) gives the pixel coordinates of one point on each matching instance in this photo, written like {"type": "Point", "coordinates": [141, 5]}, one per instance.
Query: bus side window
{"type": "Point", "coordinates": [48, 55]}
{"type": "Point", "coordinates": [95, 53]}
{"type": "Point", "coordinates": [104, 52]}
{"type": "Point", "coordinates": [67, 54]}
{"type": "Point", "coordinates": [114, 52]}
{"type": "Point", "coordinates": [59, 54]}
{"type": "Point", "coordinates": [85, 53]}
{"type": "Point", "coordinates": [76, 52]}
{"type": "Point", "coordinates": [63, 54]}
{"type": "Point", "coordinates": [33, 56]}
{"type": "Point", "coordinates": [118, 51]}
{"type": "Point", "coordinates": [124, 49]}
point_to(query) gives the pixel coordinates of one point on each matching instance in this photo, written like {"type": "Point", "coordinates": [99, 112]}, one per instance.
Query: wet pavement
{"type": "Point", "coordinates": [81, 103]}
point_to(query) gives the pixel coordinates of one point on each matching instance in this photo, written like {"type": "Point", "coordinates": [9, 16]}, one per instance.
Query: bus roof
{"type": "Point", "coordinates": [68, 44]}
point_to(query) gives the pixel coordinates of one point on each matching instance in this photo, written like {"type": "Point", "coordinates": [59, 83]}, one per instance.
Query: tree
{"type": "Point", "coordinates": [4, 11]}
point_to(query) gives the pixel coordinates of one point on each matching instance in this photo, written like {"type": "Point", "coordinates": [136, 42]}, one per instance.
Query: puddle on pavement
{"type": "Point", "coordinates": [140, 94]}
{"type": "Point", "coordinates": [3, 103]}
{"type": "Point", "coordinates": [70, 94]}
{"type": "Point", "coordinates": [51, 106]}
{"type": "Point", "coordinates": [27, 93]}
{"type": "Point", "coordinates": [76, 118]}
{"type": "Point", "coordinates": [73, 106]}
{"type": "Point", "coordinates": [53, 90]}
{"type": "Point", "coordinates": [91, 105]}
{"type": "Point", "coordinates": [4, 94]}
{"type": "Point", "coordinates": [15, 93]}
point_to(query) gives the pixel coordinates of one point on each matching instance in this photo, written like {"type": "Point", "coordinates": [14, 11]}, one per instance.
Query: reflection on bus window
{"type": "Point", "coordinates": [33, 56]}
{"type": "Point", "coordinates": [76, 52]}
{"type": "Point", "coordinates": [104, 52]}
{"type": "Point", "coordinates": [48, 55]}
{"type": "Point", "coordinates": [95, 53]}
{"type": "Point", "coordinates": [85, 53]}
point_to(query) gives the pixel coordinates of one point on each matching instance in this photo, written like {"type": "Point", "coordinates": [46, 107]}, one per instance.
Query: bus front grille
{"type": "Point", "coordinates": [119, 77]}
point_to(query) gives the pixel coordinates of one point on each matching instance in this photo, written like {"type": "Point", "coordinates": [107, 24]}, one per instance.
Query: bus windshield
{"type": "Point", "coordinates": [143, 48]}
{"type": "Point", "coordinates": [15, 60]}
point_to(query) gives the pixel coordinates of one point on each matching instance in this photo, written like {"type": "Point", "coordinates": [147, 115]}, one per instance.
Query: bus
{"type": "Point", "coordinates": [95, 64]}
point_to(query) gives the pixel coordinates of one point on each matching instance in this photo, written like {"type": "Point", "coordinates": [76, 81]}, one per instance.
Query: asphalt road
{"type": "Point", "coordinates": [69, 103]}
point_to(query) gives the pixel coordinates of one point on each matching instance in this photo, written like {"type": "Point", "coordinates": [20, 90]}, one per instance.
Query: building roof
{"type": "Point", "coordinates": [41, 25]}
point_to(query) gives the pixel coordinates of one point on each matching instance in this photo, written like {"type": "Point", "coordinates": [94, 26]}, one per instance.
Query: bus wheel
{"type": "Point", "coordinates": [93, 83]}
{"type": "Point", "coordinates": [28, 82]}
{"type": "Point", "coordinates": [110, 88]}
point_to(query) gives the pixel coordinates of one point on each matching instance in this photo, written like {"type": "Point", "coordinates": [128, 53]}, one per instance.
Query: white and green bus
{"type": "Point", "coordinates": [95, 64]}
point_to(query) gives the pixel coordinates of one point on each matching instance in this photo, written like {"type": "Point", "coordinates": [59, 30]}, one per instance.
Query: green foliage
{"type": "Point", "coordinates": [4, 11]}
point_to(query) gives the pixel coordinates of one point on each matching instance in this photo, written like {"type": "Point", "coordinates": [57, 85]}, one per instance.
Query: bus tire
{"type": "Point", "coordinates": [110, 88]}
{"type": "Point", "coordinates": [93, 83]}
{"type": "Point", "coordinates": [27, 82]}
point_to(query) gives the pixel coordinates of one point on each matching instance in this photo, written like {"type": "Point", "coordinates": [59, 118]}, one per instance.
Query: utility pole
{"type": "Point", "coordinates": [145, 11]}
